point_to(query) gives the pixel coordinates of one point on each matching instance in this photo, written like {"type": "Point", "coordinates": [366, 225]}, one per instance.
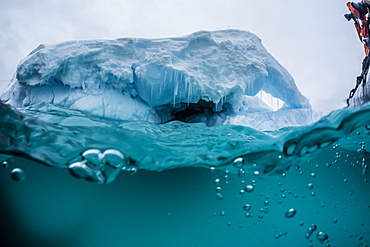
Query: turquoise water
{"type": "Point", "coordinates": [181, 184]}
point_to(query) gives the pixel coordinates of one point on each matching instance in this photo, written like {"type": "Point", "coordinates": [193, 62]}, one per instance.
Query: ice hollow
{"type": "Point", "coordinates": [203, 77]}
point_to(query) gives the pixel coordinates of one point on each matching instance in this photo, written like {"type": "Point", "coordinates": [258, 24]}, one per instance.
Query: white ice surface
{"type": "Point", "coordinates": [132, 78]}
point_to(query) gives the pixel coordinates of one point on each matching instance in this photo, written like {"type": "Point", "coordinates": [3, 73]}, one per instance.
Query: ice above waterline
{"type": "Point", "coordinates": [212, 77]}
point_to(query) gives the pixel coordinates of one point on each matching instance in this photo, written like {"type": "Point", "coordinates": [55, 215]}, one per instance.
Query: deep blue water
{"type": "Point", "coordinates": [181, 184]}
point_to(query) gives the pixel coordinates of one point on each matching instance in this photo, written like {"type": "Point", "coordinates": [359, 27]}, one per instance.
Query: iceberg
{"type": "Point", "coordinates": [208, 76]}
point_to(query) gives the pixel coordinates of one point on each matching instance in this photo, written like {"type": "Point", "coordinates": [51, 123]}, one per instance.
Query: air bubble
{"type": "Point", "coordinates": [80, 170]}
{"type": "Point", "coordinates": [17, 174]}
{"type": "Point", "coordinates": [132, 170]}
{"type": "Point", "coordinates": [364, 169]}
{"type": "Point", "coordinates": [247, 207]}
{"type": "Point", "coordinates": [219, 196]}
{"type": "Point", "coordinates": [5, 164]}
{"type": "Point", "coordinates": [249, 188]}
{"type": "Point", "coordinates": [312, 228]}
{"type": "Point", "coordinates": [113, 158]}
{"type": "Point", "coordinates": [290, 213]}
{"type": "Point", "coordinates": [322, 236]}
{"type": "Point", "coordinates": [238, 162]}
{"type": "Point", "coordinates": [241, 172]}
{"type": "Point", "coordinates": [92, 158]}
{"type": "Point", "coordinates": [310, 186]}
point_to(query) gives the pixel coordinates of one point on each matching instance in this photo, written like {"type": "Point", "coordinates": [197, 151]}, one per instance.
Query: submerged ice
{"type": "Point", "coordinates": [211, 77]}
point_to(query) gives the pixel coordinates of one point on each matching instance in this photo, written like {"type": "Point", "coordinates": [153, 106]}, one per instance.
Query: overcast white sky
{"type": "Point", "coordinates": [311, 39]}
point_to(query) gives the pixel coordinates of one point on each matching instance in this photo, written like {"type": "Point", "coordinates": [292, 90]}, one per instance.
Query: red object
{"type": "Point", "coordinates": [361, 26]}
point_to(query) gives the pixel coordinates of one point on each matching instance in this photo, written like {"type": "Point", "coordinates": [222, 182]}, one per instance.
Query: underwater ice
{"type": "Point", "coordinates": [210, 77]}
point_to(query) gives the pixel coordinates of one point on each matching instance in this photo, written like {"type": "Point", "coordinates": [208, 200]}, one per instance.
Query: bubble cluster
{"type": "Point", "coordinates": [241, 172]}
{"type": "Point", "coordinates": [98, 167]}
{"type": "Point", "coordinates": [281, 234]}
{"type": "Point", "coordinates": [310, 230]}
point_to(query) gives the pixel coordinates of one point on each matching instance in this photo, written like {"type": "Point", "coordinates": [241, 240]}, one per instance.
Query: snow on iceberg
{"type": "Point", "coordinates": [210, 77]}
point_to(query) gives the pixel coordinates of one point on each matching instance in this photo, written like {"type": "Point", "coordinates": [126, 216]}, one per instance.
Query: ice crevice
{"type": "Point", "coordinates": [208, 76]}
